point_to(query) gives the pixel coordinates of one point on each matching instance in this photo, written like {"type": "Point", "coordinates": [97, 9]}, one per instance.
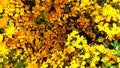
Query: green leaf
{"type": "Point", "coordinates": [1, 16]}
{"type": "Point", "coordinates": [67, 10]}
{"type": "Point", "coordinates": [41, 22]}
{"type": "Point", "coordinates": [107, 65]}
{"type": "Point", "coordinates": [1, 30]}
{"type": "Point", "coordinates": [101, 2]}
{"type": "Point", "coordinates": [112, 44]}
{"type": "Point", "coordinates": [18, 57]}
{"type": "Point", "coordinates": [118, 53]}
{"type": "Point", "coordinates": [101, 55]}
{"type": "Point", "coordinates": [3, 65]}
{"type": "Point", "coordinates": [21, 63]}
{"type": "Point", "coordinates": [74, 39]}
{"type": "Point", "coordinates": [32, 3]}
{"type": "Point", "coordinates": [118, 45]}
{"type": "Point", "coordinates": [42, 15]}
{"type": "Point", "coordinates": [115, 66]}
{"type": "Point", "coordinates": [81, 51]}
{"type": "Point", "coordinates": [51, 26]}
{"type": "Point", "coordinates": [100, 38]}
{"type": "Point", "coordinates": [115, 42]}
{"type": "Point", "coordinates": [65, 64]}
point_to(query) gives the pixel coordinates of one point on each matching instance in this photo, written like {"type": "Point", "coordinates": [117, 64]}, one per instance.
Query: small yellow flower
{"type": "Point", "coordinates": [70, 49]}
{"type": "Point", "coordinates": [79, 46]}
{"type": "Point", "coordinates": [3, 49]}
{"type": "Point", "coordinates": [44, 65]}
{"type": "Point", "coordinates": [101, 48]}
{"type": "Point", "coordinates": [54, 56]}
{"type": "Point", "coordinates": [1, 37]}
{"type": "Point", "coordinates": [86, 2]}
{"type": "Point", "coordinates": [95, 53]}
{"type": "Point", "coordinates": [96, 59]}
{"type": "Point", "coordinates": [10, 31]}
{"type": "Point", "coordinates": [1, 60]}
{"type": "Point", "coordinates": [70, 0]}
{"type": "Point", "coordinates": [67, 67]}
{"type": "Point", "coordinates": [86, 56]}
{"type": "Point", "coordinates": [1, 9]}
{"type": "Point", "coordinates": [16, 15]}
{"type": "Point", "coordinates": [73, 33]}
{"type": "Point", "coordinates": [115, 1]}
{"type": "Point", "coordinates": [118, 59]}
{"type": "Point", "coordinates": [92, 65]}
{"type": "Point", "coordinates": [74, 64]}
{"type": "Point", "coordinates": [105, 59]}
{"type": "Point", "coordinates": [98, 18]}
{"type": "Point", "coordinates": [33, 64]}
{"type": "Point", "coordinates": [83, 63]}
{"type": "Point", "coordinates": [118, 65]}
{"type": "Point", "coordinates": [108, 18]}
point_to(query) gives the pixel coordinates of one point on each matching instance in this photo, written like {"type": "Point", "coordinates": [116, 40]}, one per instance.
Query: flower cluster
{"type": "Point", "coordinates": [59, 33]}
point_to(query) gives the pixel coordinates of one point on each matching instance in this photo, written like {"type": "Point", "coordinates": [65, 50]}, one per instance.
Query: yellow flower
{"type": "Point", "coordinates": [1, 9]}
{"type": "Point", "coordinates": [3, 49]}
{"type": "Point", "coordinates": [48, 60]}
{"type": "Point", "coordinates": [83, 63]}
{"type": "Point", "coordinates": [105, 59]}
{"type": "Point", "coordinates": [108, 19]}
{"type": "Point", "coordinates": [17, 10]}
{"type": "Point", "coordinates": [44, 65]}
{"type": "Point", "coordinates": [33, 64]}
{"type": "Point", "coordinates": [98, 18]}
{"type": "Point", "coordinates": [10, 31]}
{"type": "Point", "coordinates": [101, 48]}
{"type": "Point", "coordinates": [95, 53]}
{"type": "Point", "coordinates": [54, 56]}
{"type": "Point", "coordinates": [86, 56]}
{"type": "Point", "coordinates": [107, 10]}
{"type": "Point", "coordinates": [110, 31]}
{"type": "Point", "coordinates": [68, 40]}
{"type": "Point", "coordinates": [86, 2]}
{"type": "Point", "coordinates": [92, 65]}
{"type": "Point", "coordinates": [1, 37]}
{"type": "Point", "coordinates": [82, 66]}
{"type": "Point", "coordinates": [74, 64]}
{"type": "Point", "coordinates": [16, 15]}
{"type": "Point", "coordinates": [118, 65]}
{"type": "Point", "coordinates": [96, 59]}
{"type": "Point", "coordinates": [67, 67]}
{"type": "Point", "coordinates": [80, 42]}
{"type": "Point", "coordinates": [86, 47]}
{"type": "Point", "coordinates": [70, 49]}
{"type": "Point", "coordinates": [118, 59]}
{"type": "Point", "coordinates": [94, 13]}
{"type": "Point", "coordinates": [115, 29]}
{"type": "Point", "coordinates": [22, 11]}
{"type": "Point", "coordinates": [100, 26]}
{"type": "Point", "coordinates": [70, 0]}
{"type": "Point", "coordinates": [74, 32]}
{"type": "Point", "coordinates": [1, 60]}
{"type": "Point", "coordinates": [70, 37]}
{"type": "Point", "coordinates": [3, 22]}
{"type": "Point", "coordinates": [115, 1]}
{"type": "Point", "coordinates": [79, 46]}
{"type": "Point", "coordinates": [18, 52]}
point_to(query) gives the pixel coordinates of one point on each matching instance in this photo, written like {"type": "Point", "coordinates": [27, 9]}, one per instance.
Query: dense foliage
{"type": "Point", "coordinates": [59, 33]}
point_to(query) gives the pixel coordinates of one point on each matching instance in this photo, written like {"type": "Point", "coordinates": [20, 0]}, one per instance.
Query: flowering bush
{"type": "Point", "coordinates": [59, 33]}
